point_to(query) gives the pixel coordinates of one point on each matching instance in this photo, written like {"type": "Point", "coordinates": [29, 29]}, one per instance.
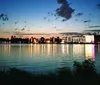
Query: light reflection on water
{"type": "Point", "coordinates": [46, 57]}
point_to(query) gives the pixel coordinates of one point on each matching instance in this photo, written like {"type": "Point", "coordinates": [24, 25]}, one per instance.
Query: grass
{"type": "Point", "coordinates": [83, 74]}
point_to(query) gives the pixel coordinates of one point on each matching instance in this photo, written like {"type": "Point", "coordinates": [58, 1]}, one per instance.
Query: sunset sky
{"type": "Point", "coordinates": [36, 16]}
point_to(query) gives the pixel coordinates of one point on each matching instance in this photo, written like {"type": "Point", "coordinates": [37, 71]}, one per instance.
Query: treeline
{"type": "Point", "coordinates": [42, 40]}
{"type": "Point", "coordinates": [82, 74]}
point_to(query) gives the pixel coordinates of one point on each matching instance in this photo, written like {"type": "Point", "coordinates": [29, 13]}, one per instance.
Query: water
{"type": "Point", "coordinates": [46, 57]}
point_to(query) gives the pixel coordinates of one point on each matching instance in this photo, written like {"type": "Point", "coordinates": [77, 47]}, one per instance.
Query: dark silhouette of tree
{"type": "Point", "coordinates": [42, 40]}
{"type": "Point", "coordinates": [58, 40]}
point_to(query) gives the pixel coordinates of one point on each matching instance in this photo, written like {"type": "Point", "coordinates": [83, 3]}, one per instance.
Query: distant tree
{"type": "Point", "coordinates": [42, 40]}
{"type": "Point", "coordinates": [58, 40]}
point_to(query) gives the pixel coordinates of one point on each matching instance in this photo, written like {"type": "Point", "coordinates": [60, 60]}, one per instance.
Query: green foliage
{"type": "Point", "coordinates": [83, 74]}
{"type": "Point", "coordinates": [86, 67]}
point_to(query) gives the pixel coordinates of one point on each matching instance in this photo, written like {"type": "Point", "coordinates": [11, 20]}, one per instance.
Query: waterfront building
{"type": "Point", "coordinates": [48, 41]}
{"type": "Point", "coordinates": [53, 39]}
{"type": "Point", "coordinates": [78, 39]}
{"type": "Point", "coordinates": [97, 38]}
{"type": "Point", "coordinates": [36, 41]}
{"type": "Point", "coordinates": [89, 38]}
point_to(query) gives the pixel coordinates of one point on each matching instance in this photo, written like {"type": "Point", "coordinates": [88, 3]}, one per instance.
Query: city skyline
{"type": "Point", "coordinates": [37, 16]}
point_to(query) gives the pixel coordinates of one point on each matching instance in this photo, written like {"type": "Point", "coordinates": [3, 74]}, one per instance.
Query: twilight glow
{"type": "Point", "coordinates": [33, 16]}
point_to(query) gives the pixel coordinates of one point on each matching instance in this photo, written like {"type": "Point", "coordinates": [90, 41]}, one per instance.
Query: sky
{"type": "Point", "coordinates": [37, 16]}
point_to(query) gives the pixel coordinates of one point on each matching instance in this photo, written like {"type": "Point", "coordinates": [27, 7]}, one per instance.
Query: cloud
{"type": "Point", "coordinates": [4, 17]}
{"type": "Point", "coordinates": [79, 14]}
{"type": "Point", "coordinates": [98, 5]}
{"type": "Point", "coordinates": [29, 30]}
{"type": "Point", "coordinates": [3, 23]}
{"type": "Point", "coordinates": [58, 29]}
{"type": "Point", "coordinates": [64, 20]}
{"type": "Point", "coordinates": [65, 10]}
{"type": "Point", "coordinates": [86, 21]}
{"type": "Point", "coordinates": [44, 18]}
{"type": "Point", "coordinates": [16, 22]}
{"type": "Point", "coordinates": [94, 26]}
{"type": "Point", "coordinates": [23, 29]}
{"type": "Point", "coordinates": [16, 29]}
{"type": "Point", "coordinates": [6, 32]}
{"type": "Point", "coordinates": [76, 19]}
{"type": "Point", "coordinates": [1, 15]}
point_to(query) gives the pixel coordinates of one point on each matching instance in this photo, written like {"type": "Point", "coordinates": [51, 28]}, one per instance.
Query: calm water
{"type": "Point", "coordinates": [46, 57]}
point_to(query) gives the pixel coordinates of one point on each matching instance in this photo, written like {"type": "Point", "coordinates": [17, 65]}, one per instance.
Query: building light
{"type": "Point", "coordinates": [35, 41]}
{"type": "Point", "coordinates": [48, 41]}
{"type": "Point", "coordinates": [62, 41]}
{"type": "Point", "coordinates": [89, 38]}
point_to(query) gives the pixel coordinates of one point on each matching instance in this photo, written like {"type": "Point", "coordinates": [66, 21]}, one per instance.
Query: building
{"type": "Point", "coordinates": [78, 39]}
{"type": "Point", "coordinates": [89, 38]}
{"type": "Point", "coordinates": [97, 38]}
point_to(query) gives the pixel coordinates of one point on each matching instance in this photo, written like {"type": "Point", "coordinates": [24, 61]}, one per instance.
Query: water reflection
{"type": "Point", "coordinates": [99, 48]}
{"type": "Point", "coordinates": [45, 56]}
{"type": "Point", "coordinates": [78, 50]}
{"type": "Point", "coordinates": [90, 51]}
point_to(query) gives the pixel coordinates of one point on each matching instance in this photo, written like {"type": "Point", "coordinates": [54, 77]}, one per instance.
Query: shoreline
{"type": "Point", "coordinates": [82, 74]}
{"type": "Point", "coordinates": [49, 43]}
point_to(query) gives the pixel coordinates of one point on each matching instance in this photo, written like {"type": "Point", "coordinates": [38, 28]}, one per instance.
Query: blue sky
{"type": "Point", "coordinates": [34, 11]}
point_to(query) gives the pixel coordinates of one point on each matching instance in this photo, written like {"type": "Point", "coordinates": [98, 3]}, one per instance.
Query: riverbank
{"type": "Point", "coordinates": [82, 74]}
{"type": "Point", "coordinates": [50, 43]}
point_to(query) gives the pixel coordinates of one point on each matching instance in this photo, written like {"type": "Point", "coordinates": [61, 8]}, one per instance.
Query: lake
{"type": "Point", "coordinates": [46, 57]}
